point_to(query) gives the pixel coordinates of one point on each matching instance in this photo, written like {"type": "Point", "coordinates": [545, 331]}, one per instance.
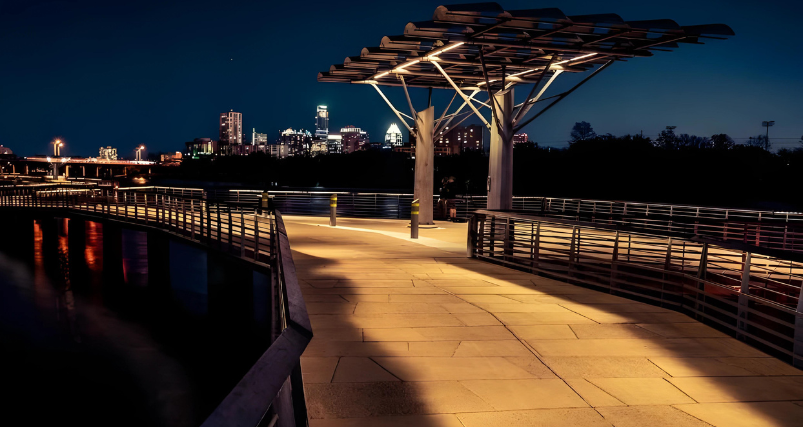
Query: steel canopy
{"type": "Point", "coordinates": [515, 46]}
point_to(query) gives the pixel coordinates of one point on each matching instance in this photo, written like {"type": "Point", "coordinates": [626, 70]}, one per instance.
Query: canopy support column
{"type": "Point", "coordinates": [425, 163]}
{"type": "Point", "coordinates": [500, 163]}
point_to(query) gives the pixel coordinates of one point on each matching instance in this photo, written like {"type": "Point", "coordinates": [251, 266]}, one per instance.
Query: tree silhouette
{"type": "Point", "coordinates": [666, 139]}
{"type": "Point", "coordinates": [692, 141]}
{"type": "Point", "coordinates": [582, 131]}
{"type": "Point", "coordinates": [721, 141]}
{"type": "Point", "coordinates": [759, 141]}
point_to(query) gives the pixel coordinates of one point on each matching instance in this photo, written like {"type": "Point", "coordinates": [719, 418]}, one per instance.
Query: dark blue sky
{"type": "Point", "coordinates": [124, 73]}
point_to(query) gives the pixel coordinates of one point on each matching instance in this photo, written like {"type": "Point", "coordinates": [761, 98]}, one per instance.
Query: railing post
{"type": "Point", "coordinates": [470, 243]}
{"type": "Point", "coordinates": [701, 274]}
{"type": "Point", "coordinates": [333, 210]}
{"type": "Point", "coordinates": [256, 237]}
{"type": "Point", "coordinates": [571, 251]}
{"type": "Point", "coordinates": [414, 219]}
{"type": "Point", "coordinates": [797, 358]}
{"type": "Point", "coordinates": [242, 232]}
{"type": "Point", "coordinates": [614, 262]}
{"type": "Point", "coordinates": [510, 237]}
{"type": "Point", "coordinates": [535, 252]}
{"type": "Point", "coordinates": [744, 292]}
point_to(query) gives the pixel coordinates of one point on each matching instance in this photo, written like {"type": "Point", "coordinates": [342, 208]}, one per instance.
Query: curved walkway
{"type": "Point", "coordinates": [415, 334]}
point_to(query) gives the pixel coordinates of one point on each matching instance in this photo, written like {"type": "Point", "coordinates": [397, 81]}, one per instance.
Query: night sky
{"type": "Point", "coordinates": [124, 73]}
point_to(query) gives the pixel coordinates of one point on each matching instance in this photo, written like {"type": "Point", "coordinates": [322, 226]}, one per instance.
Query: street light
{"type": "Point", "coordinates": [139, 152]}
{"type": "Point", "coordinates": [767, 124]}
{"type": "Point", "coordinates": [57, 144]}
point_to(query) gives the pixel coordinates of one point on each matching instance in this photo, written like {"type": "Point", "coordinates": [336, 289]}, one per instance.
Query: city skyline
{"type": "Point", "coordinates": [85, 73]}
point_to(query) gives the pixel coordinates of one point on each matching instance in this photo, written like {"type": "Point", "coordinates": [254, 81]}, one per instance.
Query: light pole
{"type": "Point", "coordinates": [767, 124]}
{"type": "Point", "coordinates": [57, 144]}
{"type": "Point", "coordinates": [139, 152]}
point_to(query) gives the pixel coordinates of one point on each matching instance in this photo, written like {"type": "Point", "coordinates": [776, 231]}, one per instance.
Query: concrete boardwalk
{"type": "Point", "coordinates": [416, 334]}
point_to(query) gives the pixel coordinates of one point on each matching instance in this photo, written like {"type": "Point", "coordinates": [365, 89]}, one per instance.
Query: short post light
{"type": "Point", "coordinates": [333, 210]}
{"type": "Point", "coordinates": [414, 220]}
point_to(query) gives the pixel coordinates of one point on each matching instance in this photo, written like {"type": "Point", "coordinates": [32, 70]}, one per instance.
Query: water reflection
{"type": "Point", "coordinates": [91, 347]}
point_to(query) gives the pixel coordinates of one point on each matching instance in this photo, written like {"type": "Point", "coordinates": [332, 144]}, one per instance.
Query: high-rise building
{"type": "Point", "coordinates": [322, 122]}
{"type": "Point", "coordinates": [258, 138]}
{"type": "Point", "coordinates": [231, 129]}
{"type": "Point", "coordinates": [353, 139]}
{"type": "Point", "coordinates": [458, 139]}
{"type": "Point", "coordinates": [201, 147]}
{"type": "Point", "coordinates": [393, 136]}
{"type": "Point", "coordinates": [334, 144]}
{"type": "Point", "coordinates": [107, 153]}
{"type": "Point", "coordinates": [520, 138]}
{"type": "Point", "coordinates": [297, 142]}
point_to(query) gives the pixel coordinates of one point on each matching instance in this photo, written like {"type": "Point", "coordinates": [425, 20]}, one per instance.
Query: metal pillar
{"type": "Point", "coordinates": [414, 212]}
{"type": "Point", "coordinates": [333, 210]}
{"type": "Point", "coordinates": [500, 164]}
{"type": "Point", "coordinates": [425, 163]}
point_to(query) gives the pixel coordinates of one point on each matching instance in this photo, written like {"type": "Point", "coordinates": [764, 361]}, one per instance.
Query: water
{"type": "Point", "coordinates": [82, 345]}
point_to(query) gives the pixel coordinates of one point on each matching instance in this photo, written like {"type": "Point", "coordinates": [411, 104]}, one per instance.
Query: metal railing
{"type": "Point", "coordinates": [272, 392]}
{"type": "Point", "coordinates": [777, 230]}
{"type": "Point", "coordinates": [750, 292]}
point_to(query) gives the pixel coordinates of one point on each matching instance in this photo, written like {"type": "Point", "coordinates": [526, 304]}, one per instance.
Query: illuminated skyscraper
{"type": "Point", "coordinates": [393, 136]}
{"type": "Point", "coordinates": [353, 139]}
{"type": "Point", "coordinates": [520, 138]}
{"type": "Point", "coordinates": [322, 122]}
{"type": "Point", "coordinates": [231, 128]}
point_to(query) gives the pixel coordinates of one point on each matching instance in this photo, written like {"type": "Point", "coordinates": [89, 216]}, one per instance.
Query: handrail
{"type": "Point", "coordinates": [273, 386]}
{"type": "Point", "coordinates": [751, 292]}
{"type": "Point", "coordinates": [278, 370]}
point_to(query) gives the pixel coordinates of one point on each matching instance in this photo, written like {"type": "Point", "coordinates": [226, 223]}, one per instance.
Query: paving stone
{"type": "Point", "coordinates": [653, 416]}
{"type": "Point", "coordinates": [488, 299]}
{"type": "Point", "coordinates": [330, 308]}
{"type": "Point", "coordinates": [451, 333]}
{"type": "Point", "coordinates": [506, 395]}
{"type": "Point", "coordinates": [438, 420]}
{"type": "Point", "coordinates": [683, 330]}
{"type": "Point", "coordinates": [642, 391]}
{"type": "Point", "coordinates": [752, 414]}
{"type": "Point", "coordinates": [698, 367]}
{"type": "Point", "coordinates": [735, 389]}
{"type": "Point", "coordinates": [337, 334]}
{"type": "Point", "coordinates": [667, 317]}
{"type": "Point", "coordinates": [603, 367]}
{"type": "Point", "coordinates": [318, 369]}
{"type": "Point", "coordinates": [543, 332]}
{"type": "Point", "coordinates": [355, 400]}
{"type": "Point", "coordinates": [535, 418]}
{"type": "Point", "coordinates": [383, 320]}
{"type": "Point", "coordinates": [542, 318]}
{"type": "Point", "coordinates": [352, 348]}
{"type": "Point", "coordinates": [532, 365]}
{"type": "Point", "coordinates": [763, 365]}
{"type": "Point", "coordinates": [592, 394]}
{"type": "Point", "coordinates": [491, 349]}
{"type": "Point", "coordinates": [611, 331]}
{"type": "Point", "coordinates": [436, 299]}
{"type": "Point", "coordinates": [360, 370]}
{"type": "Point", "coordinates": [523, 308]}
{"type": "Point", "coordinates": [369, 298]}
{"type": "Point", "coordinates": [477, 319]}
{"type": "Point", "coordinates": [451, 368]}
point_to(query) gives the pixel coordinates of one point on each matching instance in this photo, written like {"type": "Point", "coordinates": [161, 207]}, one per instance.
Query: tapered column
{"type": "Point", "coordinates": [424, 163]}
{"type": "Point", "coordinates": [500, 163]}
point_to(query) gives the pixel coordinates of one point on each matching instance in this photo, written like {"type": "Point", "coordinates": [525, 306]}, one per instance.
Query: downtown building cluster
{"type": "Point", "coordinates": [234, 141]}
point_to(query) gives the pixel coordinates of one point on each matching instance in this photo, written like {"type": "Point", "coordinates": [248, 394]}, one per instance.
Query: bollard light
{"type": "Point", "coordinates": [333, 210]}
{"type": "Point", "coordinates": [414, 220]}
